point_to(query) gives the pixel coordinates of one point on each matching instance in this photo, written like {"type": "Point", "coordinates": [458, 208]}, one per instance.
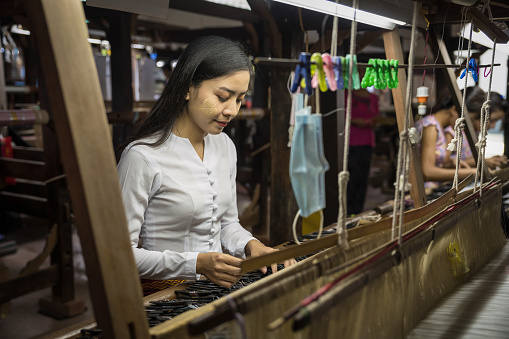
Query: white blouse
{"type": "Point", "coordinates": [178, 205]}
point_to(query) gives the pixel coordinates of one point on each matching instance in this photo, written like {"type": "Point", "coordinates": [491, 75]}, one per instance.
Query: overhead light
{"type": "Point", "coordinates": [138, 46]}
{"type": "Point", "coordinates": [243, 4]}
{"type": "Point", "coordinates": [94, 41]}
{"type": "Point", "coordinates": [18, 29]}
{"type": "Point", "coordinates": [342, 11]}
{"type": "Point", "coordinates": [160, 63]}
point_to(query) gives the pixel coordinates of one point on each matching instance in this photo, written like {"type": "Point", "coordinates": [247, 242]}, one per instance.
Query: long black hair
{"type": "Point", "coordinates": [476, 98]}
{"type": "Point", "coordinates": [205, 58]}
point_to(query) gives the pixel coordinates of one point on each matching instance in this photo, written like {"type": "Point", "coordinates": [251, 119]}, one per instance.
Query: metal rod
{"type": "Point", "coordinates": [292, 62]}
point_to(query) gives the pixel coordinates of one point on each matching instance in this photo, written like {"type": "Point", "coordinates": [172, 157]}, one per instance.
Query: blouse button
{"type": "Point", "coordinates": [209, 171]}
{"type": "Point", "coordinates": [212, 230]}
{"type": "Point", "coordinates": [214, 195]}
{"type": "Point", "coordinates": [214, 207]}
{"type": "Point", "coordinates": [211, 241]}
{"type": "Point", "coordinates": [214, 219]}
{"type": "Point", "coordinates": [211, 182]}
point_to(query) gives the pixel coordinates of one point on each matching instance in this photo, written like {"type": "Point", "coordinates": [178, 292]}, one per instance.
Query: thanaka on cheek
{"type": "Point", "coordinates": [208, 107]}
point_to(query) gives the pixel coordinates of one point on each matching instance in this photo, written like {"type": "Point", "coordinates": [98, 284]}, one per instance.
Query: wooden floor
{"type": "Point", "coordinates": [477, 309]}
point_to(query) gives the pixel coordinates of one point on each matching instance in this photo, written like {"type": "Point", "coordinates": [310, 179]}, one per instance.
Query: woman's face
{"type": "Point", "coordinates": [213, 104]}
{"type": "Point", "coordinates": [495, 116]}
{"type": "Point", "coordinates": [453, 116]}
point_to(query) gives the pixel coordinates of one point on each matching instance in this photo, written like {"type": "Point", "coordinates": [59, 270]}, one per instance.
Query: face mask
{"type": "Point", "coordinates": [307, 162]}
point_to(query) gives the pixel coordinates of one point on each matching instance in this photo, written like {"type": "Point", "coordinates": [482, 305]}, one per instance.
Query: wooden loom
{"type": "Point", "coordinates": [78, 111]}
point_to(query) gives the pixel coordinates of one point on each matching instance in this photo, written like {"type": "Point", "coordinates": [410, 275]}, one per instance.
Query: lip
{"type": "Point", "coordinates": [222, 123]}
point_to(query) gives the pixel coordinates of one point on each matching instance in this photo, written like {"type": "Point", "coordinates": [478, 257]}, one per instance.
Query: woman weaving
{"type": "Point", "coordinates": [178, 172]}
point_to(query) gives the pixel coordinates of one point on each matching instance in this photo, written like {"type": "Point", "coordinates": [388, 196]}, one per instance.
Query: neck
{"type": "Point", "coordinates": [185, 128]}
{"type": "Point", "coordinates": [443, 117]}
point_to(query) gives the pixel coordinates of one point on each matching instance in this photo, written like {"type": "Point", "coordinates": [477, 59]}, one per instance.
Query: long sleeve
{"type": "Point", "coordinates": [233, 236]}
{"type": "Point", "coordinates": [140, 178]}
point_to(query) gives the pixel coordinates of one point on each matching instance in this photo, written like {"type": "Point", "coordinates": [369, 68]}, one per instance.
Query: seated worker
{"type": "Point", "coordinates": [474, 100]}
{"type": "Point", "coordinates": [436, 167]}
{"type": "Point", "coordinates": [178, 172]}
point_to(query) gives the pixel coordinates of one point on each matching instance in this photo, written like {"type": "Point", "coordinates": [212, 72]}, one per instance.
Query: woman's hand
{"type": "Point", "coordinates": [464, 164]}
{"type": "Point", "coordinates": [254, 248]}
{"type": "Point", "coordinates": [496, 161]}
{"type": "Point", "coordinates": [220, 268]}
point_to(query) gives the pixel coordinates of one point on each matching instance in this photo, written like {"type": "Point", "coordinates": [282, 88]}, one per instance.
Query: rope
{"type": "Point", "coordinates": [301, 22]}
{"type": "Point", "coordinates": [461, 126]}
{"type": "Point", "coordinates": [238, 316]}
{"type": "Point", "coordinates": [334, 38]}
{"type": "Point", "coordinates": [404, 147]}
{"type": "Point", "coordinates": [343, 175]}
{"type": "Point", "coordinates": [485, 118]}
{"type": "Point", "coordinates": [294, 227]}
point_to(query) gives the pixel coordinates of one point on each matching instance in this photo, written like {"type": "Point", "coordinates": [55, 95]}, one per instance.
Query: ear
{"type": "Point", "coordinates": [187, 96]}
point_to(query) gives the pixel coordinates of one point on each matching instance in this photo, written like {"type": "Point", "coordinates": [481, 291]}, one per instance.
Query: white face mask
{"type": "Point", "coordinates": [307, 162]}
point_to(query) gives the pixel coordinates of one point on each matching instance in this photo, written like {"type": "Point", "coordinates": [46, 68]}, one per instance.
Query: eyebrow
{"type": "Point", "coordinates": [232, 92]}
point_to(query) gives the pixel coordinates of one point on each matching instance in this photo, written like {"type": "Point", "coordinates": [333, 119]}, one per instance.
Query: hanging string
{"type": "Point", "coordinates": [462, 34]}
{"type": "Point", "coordinates": [404, 142]}
{"type": "Point", "coordinates": [425, 49]}
{"type": "Point", "coordinates": [302, 29]}
{"type": "Point", "coordinates": [485, 118]}
{"type": "Point", "coordinates": [334, 38]}
{"type": "Point", "coordinates": [344, 175]}
{"type": "Point", "coordinates": [238, 316]}
{"type": "Point", "coordinates": [459, 126]}
{"type": "Point", "coordinates": [434, 63]}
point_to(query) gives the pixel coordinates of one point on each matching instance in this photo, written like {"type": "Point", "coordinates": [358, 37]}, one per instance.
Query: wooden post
{"type": "Point", "coordinates": [393, 50]}
{"type": "Point", "coordinates": [283, 205]}
{"type": "Point", "coordinates": [331, 144]}
{"type": "Point", "coordinates": [78, 111]}
{"type": "Point", "coordinates": [119, 36]}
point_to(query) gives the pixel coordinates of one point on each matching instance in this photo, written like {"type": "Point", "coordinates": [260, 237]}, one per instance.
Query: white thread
{"type": "Point", "coordinates": [334, 38]}
{"type": "Point", "coordinates": [485, 118]}
{"type": "Point", "coordinates": [404, 147]}
{"type": "Point", "coordinates": [294, 228]}
{"type": "Point", "coordinates": [343, 175]}
{"type": "Point", "coordinates": [459, 134]}
{"type": "Point", "coordinates": [458, 125]}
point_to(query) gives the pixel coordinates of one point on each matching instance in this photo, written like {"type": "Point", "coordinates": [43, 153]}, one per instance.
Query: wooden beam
{"type": "Point", "coordinates": [22, 285]}
{"type": "Point", "coordinates": [24, 169]}
{"type": "Point", "coordinates": [486, 26]}
{"type": "Point", "coordinates": [260, 8]}
{"type": "Point", "coordinates": [22, 203]}
{"type": "Point", "coordinates": [326, 41]}
{"type": "Point", "coordinates": [368, 38]}
{"type": "Point", "coordinates": [78, 111]}
{"type": "Point", "coordinates": [394, 51]}
{"type": "Point", "coordinates": [187, 35]}
{"type": "Point", "coordinates": [28, 153]}
{"type": "Point", "coordinates": [283, 205]}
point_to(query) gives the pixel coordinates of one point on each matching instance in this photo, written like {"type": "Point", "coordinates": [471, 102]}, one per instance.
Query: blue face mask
{"type": "Point", "coordinates": [307, 162]}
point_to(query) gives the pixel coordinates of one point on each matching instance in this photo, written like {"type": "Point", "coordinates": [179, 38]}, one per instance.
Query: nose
{"type": "Point", "coordinates": [231, 109]}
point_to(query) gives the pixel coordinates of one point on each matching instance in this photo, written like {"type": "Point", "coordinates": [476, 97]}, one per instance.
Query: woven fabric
{"type": "Point", "coordinates": [152, 286]}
